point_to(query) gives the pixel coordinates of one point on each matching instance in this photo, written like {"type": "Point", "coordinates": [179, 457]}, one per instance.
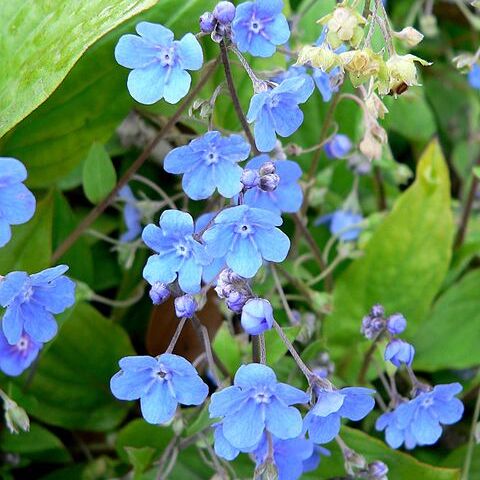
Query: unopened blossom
{"type": "Point", "coordinates": [338, 147]}
{"type": "Point", "coordinates": [131, 215]}
{"type": "Point", "coordinates": [399, 352]}
{"type": "Point", "coordinates": [257, 316]}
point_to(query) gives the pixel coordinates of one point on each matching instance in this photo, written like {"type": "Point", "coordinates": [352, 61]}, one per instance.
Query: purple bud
{"type": "Point", "coordinates": [159, 293]}
{"type": "Point", "coordinates": [377, 471]}
{"type": "Point", "coordinates": [377, 311]}
{"type": "Point", "coordinates": [338, 147]}
{"type": "Point", "coordinates": [224, 12]}
{"type": "Point", "coordinates": [399, 352]}
{"type": "Point", "coordinates": [267, 168]}
{"type": "Point", "coordinates": [372, 326]}
{"type": "Point", "coordinates": [250, 178]}
{"type": "Point", "coordinates": [207, 22]}
{"type": "Point", "coordinates": [236, 301]}
{"type": "Point", "coordinates": [396, 323]}
{"type": "Point", "coordinates": [257, 316]}
{"type": "Point", "coordinates": [269, 183]}
{"type": "Point", "coordinates": [185, 306]}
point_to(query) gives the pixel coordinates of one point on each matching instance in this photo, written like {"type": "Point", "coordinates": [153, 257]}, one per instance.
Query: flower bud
{"type": "Point", "coordinates": [185, 306]}
{"type": "Point", "coordinates": [411, 36]}
{"type": "Point", "coordinates": [377, 310]}
{"type": "Point", "coordinates": [399, 352]}
{"type": "Point", "coordinates": [322, 57]}
{"type": "Point", "coordinates": [429, 25]}
{"type": "Point", "coordinates": [344, 25]}
{"type": "Point", "coordinates": [338, 147]}
{"type": "Point", "coordinates": [236, 300]}
{"type": "Point", "coordinates": [250, 178]}
{"type": "Point", "coordinates": [370, 146]}
{"type": "Point", "coordinates": [267, 168]}
{"type": "Point", "coordinates": [207, 22]}
{"type": "Point", "coordinates": [377, 471]}
{"type": "Point", "coordinates": [16, 418]}
{"type": "Point", "coordinates": [159, 293]}
{"type": "Point", "coordinates": [396, 323]}
{"type": "Point", "coordinates": [257, 316]}
{"type": "Point", "coordinates": [224, 12]}
{"type": "Point", "coordinates": [372, 326]}
{"type": "Point", "coordinates": [269, 183]}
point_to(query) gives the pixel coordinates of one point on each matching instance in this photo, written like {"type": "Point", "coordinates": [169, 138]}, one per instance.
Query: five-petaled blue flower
{"type": "Point", "coordinates": [323, 421]}
{"type": "Point", "coordinates": [131, 215]}
{"type": "Point", "coordinates": [159, 63]}
{"type": "Point", "coordinates": [209, 162]}
{"type": "Point", "coordinates": [257, 402]}
{"type": "Point", "coordinates": [288, 195]}
{"type": "Point", "coordinates": [17, 203]}
{"type": "Point", "coordinates": [474, 76]}
{"type": "Point", "coordinates": [259, 26]}
{"type": "Point", "coordinates": [419, 421]}
{"type": "Point", "coordinates": [244, 236]}
{"type": "Point", "coordinates": [177, 252]}
{"type": "Point", "coordinates": [291, 457]}
{"type": "Point", "coordinates": [343, 224]}
{"type": "Point", "coordinates": [277, 111]}
{"type": "Point", "coordinates": [160, 383]}
{"type": "Point", "coordinates": [32, 300]}
{"type": "Point", "coordinates": [14, 359]}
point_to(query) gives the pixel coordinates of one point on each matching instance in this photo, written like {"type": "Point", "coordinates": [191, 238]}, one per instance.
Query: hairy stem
{"type": "Point", "coordinates": [102, 206]}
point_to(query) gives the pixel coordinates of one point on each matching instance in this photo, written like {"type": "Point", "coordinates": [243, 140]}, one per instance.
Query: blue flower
{"type": "Point", "coordinates": [291, 457]}
{"type": "Point", "coordinates": [177, 252]}
{"type": "Point", "coordinates": [259, 26]}
{"type": "Point", "coordinates": [257, 316]}
{"type": "Point", "coordinates": [245, 236]}
{"type": "Point", "coordinates": [474, 76]}
{"type": "Point", "coordinates": [159, 63]}
{"type": "Point", "coordinates": [131, 215]}
{"type": "Point", "coordinates": [338, 147]}
{"type": "Point", "coordinates": [419, 421]}
{"type": "Point", "coordinates": [399, 352]}
{"type": "Point", "coordinates": [343, 224]}
{"type": "Point", "coordinates": [32, 300]}
{"type": "Point", "coordinates": [209, 162]}
{"type": "Point", "coordinates": [257, 402]}
{"type": "Point", "coordinates": [288, 195]}
{"type": "Point", "coordinates": [396, 323]}
{"type": "Point", "coordinates": [14, 359]}
{"type": "Point", "coordinates": [277, 111]}
{"type": "Point", "coordinates": [17, 203]}
{"type": "Point", "coordinates": [323, 421]}
{"type": "Point", "coordinates": [160, 383]}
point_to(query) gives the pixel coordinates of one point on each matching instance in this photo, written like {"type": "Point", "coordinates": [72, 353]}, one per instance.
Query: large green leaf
{"type": "Point", "coordinates": [457, 459]}
{"type": "Point", "coordinates": [42, 41]}
{"type": "Point", "coordinates": [30, 248]}
{"type": "Point", "coordinates": [90, 103]}
{"type": "Point", "coordinates": [71, 385]}
{"type": "Point", "coordinates": [405, 261]}
{"type": "Point", "coordinates": [454, 321]}
{"type": "Point", "coordinates": [400, 465]}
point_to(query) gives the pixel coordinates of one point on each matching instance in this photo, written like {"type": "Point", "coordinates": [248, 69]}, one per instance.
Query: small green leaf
{"type": "Point", "coordinates": [228, 349]}
{"type": "Point", "coordinates": [454, 321]}
{"type": "Point", "coordinates": [99, 176]}
{"type": "Point", "coordinates": [404, 264]}
{"type": "Point", "coordinates": [140, 458]}
{"type": "Point", "coordinates": [70, 387]}
{"type": "Point", "coordinates": [274, 345]}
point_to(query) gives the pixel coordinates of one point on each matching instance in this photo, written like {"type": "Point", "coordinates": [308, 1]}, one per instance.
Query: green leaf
{"type": "Point", "coordinates": [274, 345]}
{"type": "Point", "coordinates": [457, 458]}
{"type": "Point", "coordinates": [42, 41]}
{"type": "Point", "coordinates": [38, 444]}
{"type": "Point", "coordinates": [227, 349]}
{"type": "Point", "coordinates": [99, 176]}
{"type": "Point", "coordinates": [139, 434]}
{"type": "Point", "coordinates": [410, 116]}
{"type": "Point", "coordinates": [404, 263]}
{"type": "Point", "coordinates": [454, 321]}
{"type": "Point", "coordinates": [70, 387]}
{"type": "Point", "coordinates": [91, 102]}
{"type": "Point", "coordinates": [30, 248]}
{"type": "Point", "coordinates": [401, 466]}
{"type": "Point", "coordinates": [140, 458]}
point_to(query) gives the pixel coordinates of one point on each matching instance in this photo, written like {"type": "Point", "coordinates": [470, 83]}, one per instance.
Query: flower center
{"type": "Point", "coordinates": [244, 229]}
{"type": "Point", "coordinates": [167, 56]}
{"type": "Point", "coordinates": [211, 157]}
{"type": "Point", "coordinates": [163, 374]}
{"type": "Point", "coordinates": [274, 101]}
{"type": "Point", "coordinates": [181, 250]}
{"type": "Point", "coordinates": [22, 344]}
{"type": "Point", "coordinates": [255, 25]}
{"type": "Point", "coordinates": [262, 397]}
{"type": "Point", "coordinates": [427, 402]}
{"type": "Point", "coordinates": [27, 294]}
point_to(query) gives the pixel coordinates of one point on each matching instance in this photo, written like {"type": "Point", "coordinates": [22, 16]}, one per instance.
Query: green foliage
{"type": "Point", "coordinates": [274, 345]}
{"type": "Point", "coordinates": [64, 30]}
{"type": "Point", "coordinates": [70, 386]}
{"type": "Point", "coordinates": [404, 263]}
{"type": "Point", "coordinates": [99, 176]}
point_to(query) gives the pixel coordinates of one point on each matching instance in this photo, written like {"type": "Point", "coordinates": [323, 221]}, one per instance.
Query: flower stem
{"type": "Point", "coordinates": [102, 206]}
{"type": "Point", "coordinates": [471, 439]}
{"type": "Point", "coordinates": [235, 99]}
{"type": "Point", "coordinates": [176, 335]}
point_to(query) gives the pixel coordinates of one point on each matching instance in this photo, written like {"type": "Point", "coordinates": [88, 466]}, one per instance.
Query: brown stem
{"type": "Point", "coordinates": [367, 359]}
{"type": "Point", "coordinates": [233, 93]}
{"type": "Point", "coordinates": [380, 188]}
{"type": "Point", "coordinates": [462, 229]}
{"type": "Point", "coordinates": [102, 206]}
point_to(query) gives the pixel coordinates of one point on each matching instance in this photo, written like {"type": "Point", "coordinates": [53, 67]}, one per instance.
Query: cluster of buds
{"type": "Point", "coordinates": [265, 178]}
{"type": "Point", "coordinates": [218, 23]}
{"type": "Point", "coordinates": [234, 289]}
